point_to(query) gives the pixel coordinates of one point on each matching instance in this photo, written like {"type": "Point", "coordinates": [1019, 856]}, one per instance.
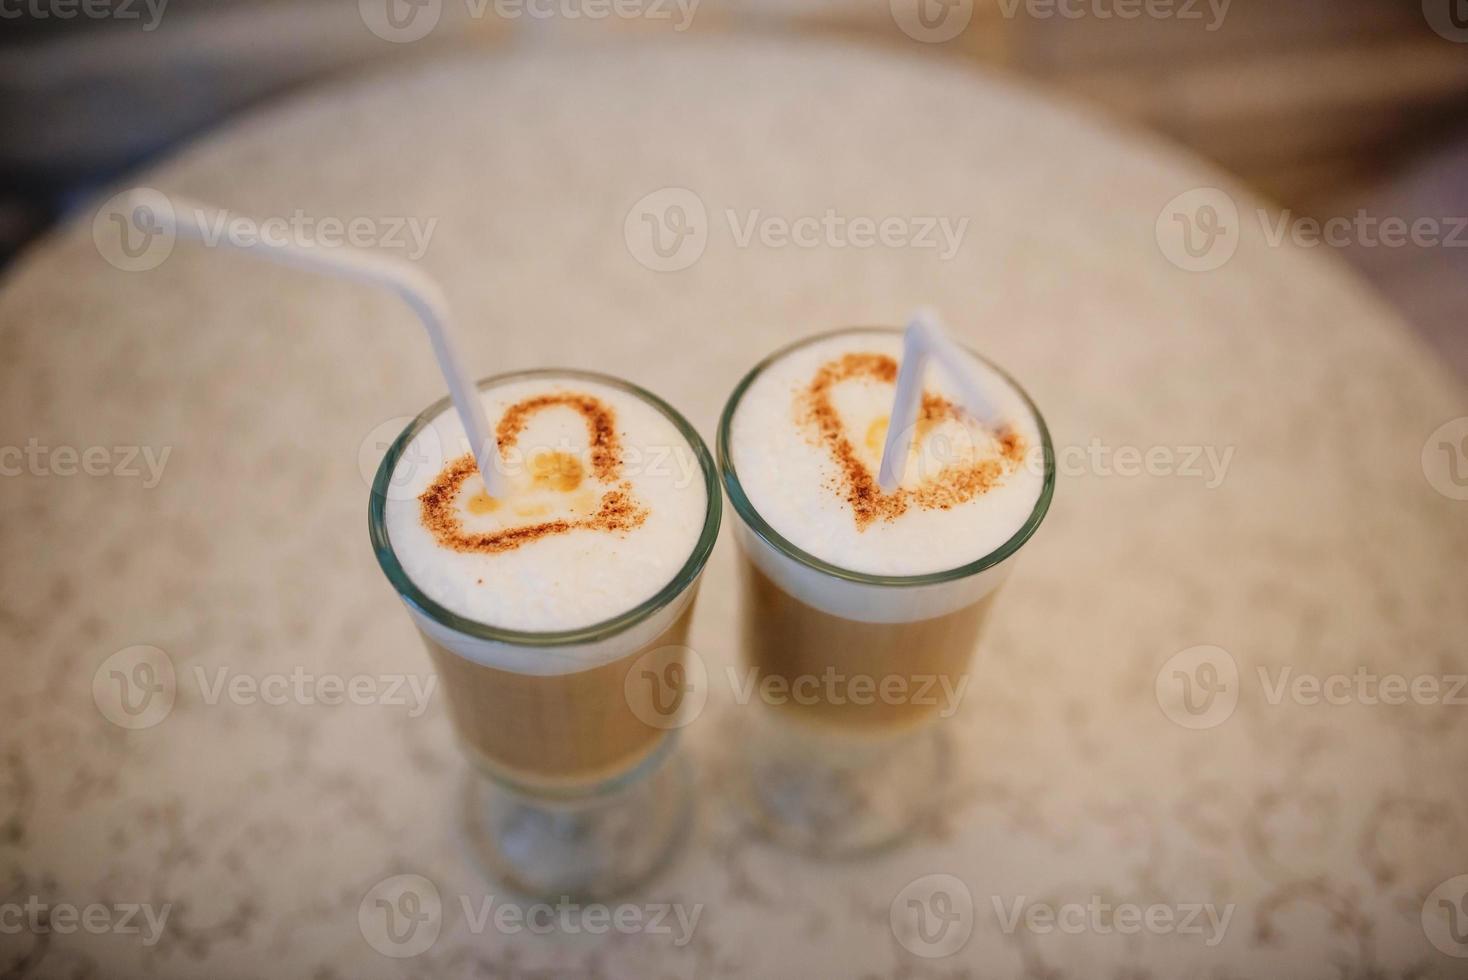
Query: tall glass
{"type": "Point", "coordinates": [855, 760]}
{"type": "Point", "coordinates": [575, 788]}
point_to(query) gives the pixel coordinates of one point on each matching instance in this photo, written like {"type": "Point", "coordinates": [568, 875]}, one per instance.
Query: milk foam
{"type": "Point", "coordinates": [794, 483]}
{"type": "Point", "coordinates": [558, 581]}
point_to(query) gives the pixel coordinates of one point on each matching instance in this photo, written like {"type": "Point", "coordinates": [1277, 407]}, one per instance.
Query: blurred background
{"type": "Point", "coordinates": [1325, 107]}
{"type": "Point", "coordinates": [1331, 829]}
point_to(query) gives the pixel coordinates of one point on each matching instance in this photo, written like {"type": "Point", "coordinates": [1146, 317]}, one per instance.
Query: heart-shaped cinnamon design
{"type": "Point", "coordinates": [556, 472]}
{"type": "Point", "coordinates": [953, 484]}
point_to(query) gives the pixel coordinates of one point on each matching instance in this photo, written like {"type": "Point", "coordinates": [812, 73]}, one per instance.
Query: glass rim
{"type": "Point", "coordinates": [756, 523]}
{"type": "Point", "coordinates": [410, 593]}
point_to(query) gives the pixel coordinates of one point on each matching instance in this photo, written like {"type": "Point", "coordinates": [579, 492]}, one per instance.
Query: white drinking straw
{"type": "Point", "coordinates": [422, 294]}
{"type": "Point", "coordinates": [922, 342]}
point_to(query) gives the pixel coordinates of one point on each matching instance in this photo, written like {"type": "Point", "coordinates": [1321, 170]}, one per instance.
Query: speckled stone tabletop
{"type": "Point", "coordinates": [1261, 481]}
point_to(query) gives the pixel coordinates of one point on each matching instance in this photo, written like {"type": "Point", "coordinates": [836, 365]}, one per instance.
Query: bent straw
{"type": "Point", "coordinates": [422, 294]}
{"type": "Point", "coordinates": [922, 342]}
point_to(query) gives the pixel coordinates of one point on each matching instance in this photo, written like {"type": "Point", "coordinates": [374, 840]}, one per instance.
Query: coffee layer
{"type": "Point", "coordinates": [551, 732]}
{"type": "Point", "coordinates": [854, 676]}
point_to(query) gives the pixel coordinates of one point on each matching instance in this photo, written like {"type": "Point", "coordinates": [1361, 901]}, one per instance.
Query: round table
{"type": "Point", "coordinates": [1250, 495]}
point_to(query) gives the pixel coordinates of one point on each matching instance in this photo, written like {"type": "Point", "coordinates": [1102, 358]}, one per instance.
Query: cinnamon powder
{"type": "Point", "coordinates": [618, 510]}
{"type": "Point", "coordinates": [857, 485]}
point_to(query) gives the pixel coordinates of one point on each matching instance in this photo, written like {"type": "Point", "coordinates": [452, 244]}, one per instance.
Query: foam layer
{"type": "Point", "coordinates": [609, 503]}
{"type": "Point", "coordinates": [968, 487]}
